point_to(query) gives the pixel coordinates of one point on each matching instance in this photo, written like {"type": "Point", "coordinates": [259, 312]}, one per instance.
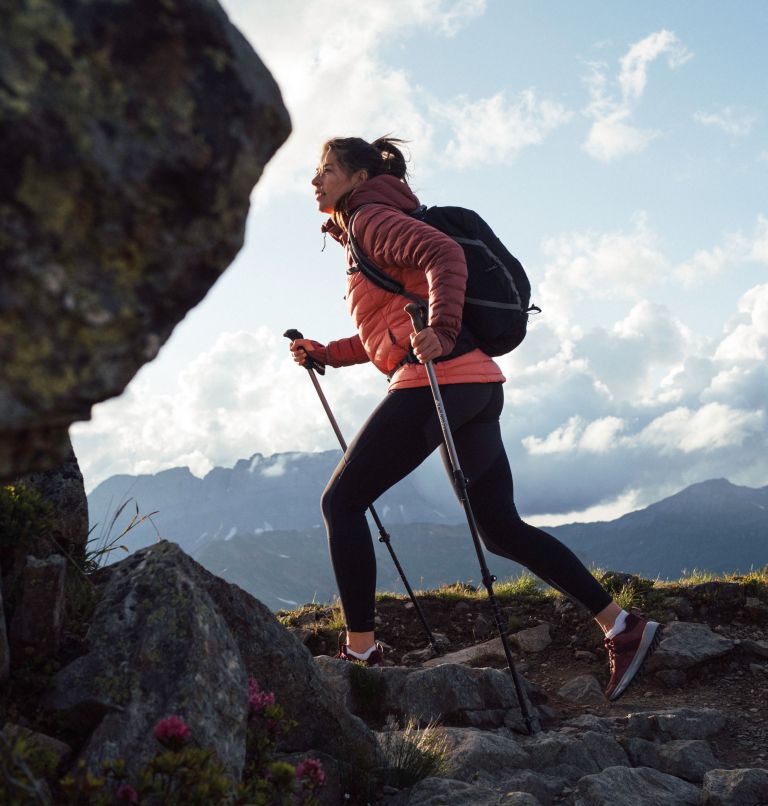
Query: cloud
{"type": "Point", "coordinates": [735, 250]}
{"type": "Point", "coordinates": [612, 134]}
{"type": "Point", "coordinates": [746, 339]}
{"type": "Point", "coordinates": [634, 65]}
{"type": "Point", "coordinates": [733, 123]}
{"type": "Point", "coordinates": [335, 81]}
{"type": "Point", "coordinates": [578, 435]}
{"type": "Point", "coordinates": [243, 396]}
{"type": "Point", "coordinates": [494, 130]}
{"type": "Point", "coordinates": [599, 267]}
{"type": "Point", "coordinates": [708, 428]}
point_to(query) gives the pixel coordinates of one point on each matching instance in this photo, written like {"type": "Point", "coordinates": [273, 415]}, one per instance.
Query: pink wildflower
{"type": "Point", "coordinates": [311, 772]}
{"type": "Point", "coordinates": [257, 698]}
{"type": "Point", "coordinates": [127, 793]}
{"type": "Point", "coordinates": [172, 732]}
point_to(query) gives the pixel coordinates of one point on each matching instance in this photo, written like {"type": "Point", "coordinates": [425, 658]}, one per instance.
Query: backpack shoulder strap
{"type": "Point", "coordinates": [373, 273]}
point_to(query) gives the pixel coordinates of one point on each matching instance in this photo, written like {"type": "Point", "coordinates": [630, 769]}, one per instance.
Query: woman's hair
{"type": "Point", "coordinates": [382, 156]}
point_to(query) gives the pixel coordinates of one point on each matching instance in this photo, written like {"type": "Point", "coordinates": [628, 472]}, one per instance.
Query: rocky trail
{"type": "Point", "coordinates": [712, 666]}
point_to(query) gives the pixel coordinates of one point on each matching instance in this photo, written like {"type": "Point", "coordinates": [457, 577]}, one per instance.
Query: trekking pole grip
{"type": "Point", "coordinates": [310, 363]}
{"type": "Point", "coordinates": [414, 311]}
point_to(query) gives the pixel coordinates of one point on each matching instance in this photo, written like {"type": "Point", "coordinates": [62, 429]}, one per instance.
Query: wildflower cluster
{"type": "Point", "coordinates": [181, 773]}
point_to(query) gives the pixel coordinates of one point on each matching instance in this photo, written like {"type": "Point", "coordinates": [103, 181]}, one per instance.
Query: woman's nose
{"type": "Point", "coordinates": [315, 180]}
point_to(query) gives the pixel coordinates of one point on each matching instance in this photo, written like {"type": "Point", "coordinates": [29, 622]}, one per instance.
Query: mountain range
{"type": "Point", "coordinates": [258, 525]}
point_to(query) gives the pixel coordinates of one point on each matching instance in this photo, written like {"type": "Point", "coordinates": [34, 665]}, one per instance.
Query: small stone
{"type": "Point", "coordinates": [418, 656]}
{"type": "Point", "coordinates": [583, 689]}
{"type": "Point", "coordinates": [408, 605]}
{"type": "Point", "coordinates": [534, 639]}
{"type": "Point", "coordinates": [582, 654]}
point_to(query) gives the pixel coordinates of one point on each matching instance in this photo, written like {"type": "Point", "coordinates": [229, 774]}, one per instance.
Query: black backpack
{"type": "Point", "coordinates": [498, 295]}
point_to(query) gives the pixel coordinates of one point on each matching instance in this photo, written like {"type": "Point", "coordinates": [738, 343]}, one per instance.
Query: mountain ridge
{"type": "Point", "coordinates": [259, 524]}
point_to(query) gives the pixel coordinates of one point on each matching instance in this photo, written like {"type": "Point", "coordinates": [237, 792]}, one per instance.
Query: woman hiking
{"type": "Point", "coordinates": [363, 185]}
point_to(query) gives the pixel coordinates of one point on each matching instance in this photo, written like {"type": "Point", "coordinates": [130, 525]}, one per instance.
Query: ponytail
{"type": "Point", "coordinates": [391, 156]}
{"type": "Point", "coordinates": [382, 156]}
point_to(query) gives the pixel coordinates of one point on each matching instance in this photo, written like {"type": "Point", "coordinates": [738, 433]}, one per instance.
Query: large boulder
{"type": "Point", "coordinates": [169, 638]}
{"type": "Point", "coordinates": [622, 786]}
{"type": "Point", "coordinates": [131, 135]}
{"type": "Point", "coordinates": [157, 647]}
{"type": "Point", "coordinates": [281, 663]}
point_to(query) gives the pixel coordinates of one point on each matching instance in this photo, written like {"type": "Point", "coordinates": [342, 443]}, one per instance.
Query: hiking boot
{"type": "Point", "coordinates": [376, 658]}
{"type": "Point", "coordinates": [628, 651]}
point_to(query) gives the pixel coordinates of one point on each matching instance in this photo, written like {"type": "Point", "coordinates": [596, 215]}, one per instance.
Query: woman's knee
{"type": "Point", "coordinates": [339, 499]}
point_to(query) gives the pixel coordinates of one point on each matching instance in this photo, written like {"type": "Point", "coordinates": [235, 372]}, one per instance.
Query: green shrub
{"type": "Point", "coordinates": [24, 766]}
{"type": "Point", "coordinates": [24, 516]}
{"type": "Point", "coordinates": [183, 774]}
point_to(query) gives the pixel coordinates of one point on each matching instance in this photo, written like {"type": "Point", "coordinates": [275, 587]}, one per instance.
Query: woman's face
{"type": "Point", "coordinates": [332, 181]}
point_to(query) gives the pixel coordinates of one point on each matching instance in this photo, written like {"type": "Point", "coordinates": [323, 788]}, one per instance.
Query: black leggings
{"type": "Point", "coordinates": [398, 436]}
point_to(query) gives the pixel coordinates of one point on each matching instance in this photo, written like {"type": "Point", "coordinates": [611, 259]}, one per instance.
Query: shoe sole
{"type": "Point", "coordinates": [648, 644]}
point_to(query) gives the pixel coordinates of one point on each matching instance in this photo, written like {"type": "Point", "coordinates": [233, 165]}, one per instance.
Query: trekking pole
{"type": "Point", "coordinates": [460, 484]}
{"type": "Point", "coordinates": [311, 366]}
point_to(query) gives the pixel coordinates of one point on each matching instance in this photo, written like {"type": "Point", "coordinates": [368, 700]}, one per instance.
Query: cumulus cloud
{"type": "Point", "coordinates": [336, 82]}
{"type": "Point", "coordinates": [635, 409]}
{"type": "Point", "coordinates": [708, 428]}
{"type": "Point", "coordinates": [736, 249]}
{"type": "Point", "coordinates": [494, 130]}
{"type": "Point", "coordinates": [732, 122]}
{"type": "Point", "coordinates": [599, 266]}
{"type": "Point", "coordinates": [242, 396]}
{"type": "Point", "coordinates": [746, 340]}
{"type": "Point", "coordinates": [578, 435]}
{"type": "Point", "coordinates": [612, 134]}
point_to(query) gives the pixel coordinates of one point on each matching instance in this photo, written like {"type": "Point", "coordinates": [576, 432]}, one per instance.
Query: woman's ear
{"type": "Point", "coordinates": [359, 177]}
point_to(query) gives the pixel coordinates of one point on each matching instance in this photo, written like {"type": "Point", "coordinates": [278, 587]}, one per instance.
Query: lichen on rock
{"type": "Point", "coordinates": [131, 135]}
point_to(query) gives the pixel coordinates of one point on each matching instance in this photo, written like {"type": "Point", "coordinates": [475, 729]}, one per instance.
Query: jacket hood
{"type": "Point", "coordinates": [383, 189]}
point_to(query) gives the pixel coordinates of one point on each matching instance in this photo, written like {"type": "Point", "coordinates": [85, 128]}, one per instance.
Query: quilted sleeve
{"type": "Point", "coordinates": [393, 238]}
{"type": "Point", "coordinates": [345, 352]}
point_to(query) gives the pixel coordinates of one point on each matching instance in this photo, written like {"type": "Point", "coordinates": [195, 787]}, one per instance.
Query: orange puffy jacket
{"type": "Point", "coordinates": [429, 264]}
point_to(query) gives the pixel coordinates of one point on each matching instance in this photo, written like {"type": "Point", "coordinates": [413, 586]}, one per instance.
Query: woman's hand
{"type": "Point", "coordinates": [306, 348]}
{"type": "Point", "coordinates": [426, 345]}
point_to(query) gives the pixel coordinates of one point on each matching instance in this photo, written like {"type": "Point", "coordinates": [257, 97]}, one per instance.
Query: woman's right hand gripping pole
{"type": "Point", "coordinates": [306, 352]}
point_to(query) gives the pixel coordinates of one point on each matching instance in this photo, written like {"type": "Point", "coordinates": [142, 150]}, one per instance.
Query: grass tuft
{"type": "Point", "coordinates": [412, 754]}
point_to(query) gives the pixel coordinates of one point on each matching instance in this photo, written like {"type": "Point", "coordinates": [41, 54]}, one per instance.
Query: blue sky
{"type": "Point", "coordinates": [621, 152]}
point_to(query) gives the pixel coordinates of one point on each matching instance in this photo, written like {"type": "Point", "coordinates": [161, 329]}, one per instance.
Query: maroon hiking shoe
{"type": "Point", "coordinates": [376, 658]}
{"type": "Point", "coordinates": [628, 651]}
